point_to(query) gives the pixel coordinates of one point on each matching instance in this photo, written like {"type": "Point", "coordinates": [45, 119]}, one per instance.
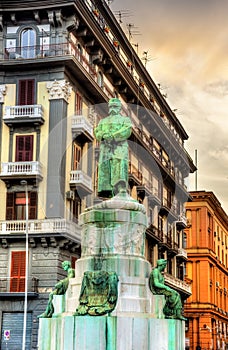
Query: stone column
{"type": "Point", "coordinates": [59, 92]}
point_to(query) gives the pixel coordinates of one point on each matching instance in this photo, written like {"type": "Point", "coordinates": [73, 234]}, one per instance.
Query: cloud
{"type": "Point", "coordinates": [217, 88]}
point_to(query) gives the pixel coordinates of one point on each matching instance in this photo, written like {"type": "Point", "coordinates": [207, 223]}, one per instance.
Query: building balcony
{"type": "Point", "coordinates": [154, 198]}
{"type": "Point", "coordinates": [16, 170]}
{"type": "Point", "coordinates": [144, 190]}
{"type": "Point", "coordinates": [165, 206]}
{"type": "Point", "coordinates": [23, 115]}
{"type": "Point", "coordinates": [134, 176]}
{"type": "Point", "coordinates": [68, 53]}
{"type": "Point", "coordinates": [168, 208]}
{"type": "Point", "coordinates": [82, 129]}
{"type": "Point", "coordinates": [173, 247]}
{"type": "Point", "coordinates": [155, 233]}
{"type": "Point", "coordinates": [181, 222]}
{"type": "Point", "coordinates": [81, 181]}
{"type": "Point", "coordinates": [177, 284]}
{"type": "Point", "coordinates": [182, 253]}
{"type": "Point", "coordinates": [9, 286]}
{"type": "Point", "coordinates": [40, 228]}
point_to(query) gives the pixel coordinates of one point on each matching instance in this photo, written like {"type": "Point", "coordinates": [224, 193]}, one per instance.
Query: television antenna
{"type": "Point", "coordinates": [121, 14]}
{"type": "Point", "coordinates": [146, 58]}
{"type": "Point", "coordinates": [136, 46]}
{"type": "Point", "coordinates": [131, 31]}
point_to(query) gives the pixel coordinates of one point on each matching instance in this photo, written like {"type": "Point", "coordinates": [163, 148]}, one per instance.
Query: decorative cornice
{"type": "Point", "coordinates": [2, 93]}
{"type": "Point", "coordinates": [59, 89]}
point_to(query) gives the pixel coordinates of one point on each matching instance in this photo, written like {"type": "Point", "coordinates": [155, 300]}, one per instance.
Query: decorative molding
{"type": "Point", "coordinates": [2, 93]}
{"type": "Point", "coordinates": [37, 16]}
{"type": "Point", "coordinates": [73, 23]}
{"type": "Point", "coordinates": [58, 16]}
{"type": "Point", "coordinates": [51, 17]}
{"type": "Point", "coordinates": [59, 89]}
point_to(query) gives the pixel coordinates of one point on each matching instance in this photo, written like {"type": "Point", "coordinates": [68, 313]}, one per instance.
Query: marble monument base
{"type": "Point", "coordinates": [111, 333]}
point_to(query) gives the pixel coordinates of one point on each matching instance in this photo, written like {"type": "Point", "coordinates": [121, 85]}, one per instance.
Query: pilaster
{"type": "Point", "coordinates": [59, 92]}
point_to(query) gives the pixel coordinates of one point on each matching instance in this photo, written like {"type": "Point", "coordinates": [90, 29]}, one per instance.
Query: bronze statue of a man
{"type": "Point", "coordinates": [59, 289]}
{"type": "Point", "coordinates": [113, 132]}
{"type": "Point", "coordinates": [173, 305]}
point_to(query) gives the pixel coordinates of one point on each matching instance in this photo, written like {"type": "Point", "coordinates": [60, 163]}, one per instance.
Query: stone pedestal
{"type": "Point", "coordinates": [113, 241]}
{"type": "Point", "coordinates": [111, 333]}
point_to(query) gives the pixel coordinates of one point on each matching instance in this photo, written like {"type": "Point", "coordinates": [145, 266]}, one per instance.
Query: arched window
{"type": "Point", "coordinates": [28, 43]}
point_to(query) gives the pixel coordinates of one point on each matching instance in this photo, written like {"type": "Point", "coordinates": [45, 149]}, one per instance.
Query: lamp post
{"type": "Point", "coordinates": [24, 183]}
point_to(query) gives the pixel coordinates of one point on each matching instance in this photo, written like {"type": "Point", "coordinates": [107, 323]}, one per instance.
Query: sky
{"type": "Point", "coordinates": [187, 45]}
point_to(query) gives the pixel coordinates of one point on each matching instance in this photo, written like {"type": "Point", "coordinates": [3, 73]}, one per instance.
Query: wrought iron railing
{"type": "Point", "coordinates": [17, 284]}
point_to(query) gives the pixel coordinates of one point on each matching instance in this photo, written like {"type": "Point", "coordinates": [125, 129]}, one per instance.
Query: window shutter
{"type": "Point", "coordinates": [10, 206]}
{"type": "Point", "coordinates": [78, 104]}
{"type": "Point", "coordinates": [26, 92]}
{"type": "Point", "coordinates": [17, 280]}
{"type": "Point", "coordinates": [73, 261]}
{"type": "Point", "coordinates": [77, 157]}
{"type": "Point", "coordinates": [33, 206]}
{"type": "Point", "coordinates": [24, 148]}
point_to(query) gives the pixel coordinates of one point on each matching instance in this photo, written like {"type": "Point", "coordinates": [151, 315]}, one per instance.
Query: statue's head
{"type": "Point", "coordinates": [161, 262]}
{"type": "Point", "coordinates": [66, 264]}
{"type": "Point", "coordinates": [114, 104]}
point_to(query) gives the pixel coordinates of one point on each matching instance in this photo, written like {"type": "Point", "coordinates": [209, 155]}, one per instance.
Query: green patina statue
{"type": "Point", "coordinates": [59, 289]}
{"type": "Point", "coordinates": [113, 132]}
{"type": "Point", "coordinates": [99, 293]}
{"type": "Point", "coordinates": [173, 305]}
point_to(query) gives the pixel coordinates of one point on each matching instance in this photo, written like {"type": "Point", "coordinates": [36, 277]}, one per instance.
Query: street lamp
{"type": "Point", "coordinates": [24, 183]}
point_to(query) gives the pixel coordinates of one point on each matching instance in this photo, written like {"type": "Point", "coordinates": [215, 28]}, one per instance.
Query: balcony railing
{"type": "Point", "coordinates": [26, 113]}
{"type": "Point", "coordinates": [81, 127]}
{"type": "Point", "coordinates": [9, 284]}
{"type": "Point", "coordinates": [81, 181]}
{"type": "Point", "coordinates": [181, 222]}
{"type": "Point", "coordinates": [155, 232]}
{"type": "Point", "coordinates": [17, 169]}
{"type": "Point", "coordinates": [45, 226]}
{"type": "Point", "coordinates": [177, 284]}
{"type": "Point", "coordinates": [53, 50]}
{"type": "Point", "coordinates": [135, 176]}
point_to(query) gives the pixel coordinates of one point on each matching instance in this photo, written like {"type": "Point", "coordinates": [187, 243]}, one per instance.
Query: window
{"type": "Point", "coordinates": [26, 90]}
{"type": "Point", "coordinates": [16, 204]}
{"type": "Point", "coordinates": [77, 153]}
{"type": "Point", "coordinates": [17, 272]}
{"type": "Point", "coordinates": [24, 148]}
{"type": "Point", "coordinates": [28, 43]}
{"type": "Point", "coordinates": [73, 261]}
{"type": "Point", "coordinates": [77, 208]}
{"type": "Point", "coordinates": [78, 103]}
{"type": "Point", "coordinates": [160, 223]}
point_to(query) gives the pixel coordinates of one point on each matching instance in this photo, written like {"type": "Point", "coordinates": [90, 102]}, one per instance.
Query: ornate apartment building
{"type": "Point", "coordinates": [207, 242]}
{"type": "Point", "coordinates": [60, 63]}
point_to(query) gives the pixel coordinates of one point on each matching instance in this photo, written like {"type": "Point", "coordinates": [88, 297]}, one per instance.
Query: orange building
{"type": "Point", "coordinates": [207, 242]}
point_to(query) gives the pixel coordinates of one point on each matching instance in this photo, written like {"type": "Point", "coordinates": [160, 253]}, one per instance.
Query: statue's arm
{"type": "Point", "coordinates": [98, 131]}
{"type": "Point", "coordinates": [124, 132]}
{"type": "Point", "coordinates": [71, 273]}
